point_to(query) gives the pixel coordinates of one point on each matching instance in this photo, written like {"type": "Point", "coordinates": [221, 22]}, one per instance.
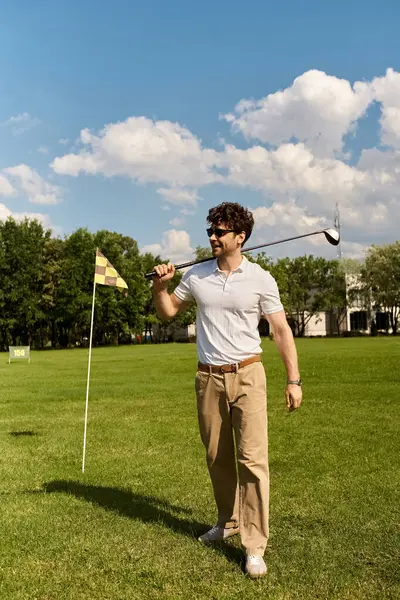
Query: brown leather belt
{"type": "Point", "coordinates": [233, 368]}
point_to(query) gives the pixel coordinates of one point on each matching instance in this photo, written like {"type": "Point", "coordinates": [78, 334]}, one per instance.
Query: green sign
{"type": "Point", "coordinates": [19, 352]}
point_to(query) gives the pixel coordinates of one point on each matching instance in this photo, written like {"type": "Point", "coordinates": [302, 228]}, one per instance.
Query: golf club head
{"type": "Point", "coordinates": [332, 235]}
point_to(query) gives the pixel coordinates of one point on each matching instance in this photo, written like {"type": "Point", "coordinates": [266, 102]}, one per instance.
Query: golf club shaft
{"type": "Point", "coordinates": [196, 262]}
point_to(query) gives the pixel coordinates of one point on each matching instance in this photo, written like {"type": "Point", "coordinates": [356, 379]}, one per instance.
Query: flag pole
{"type": "Point", "coordinates": [88, 379]}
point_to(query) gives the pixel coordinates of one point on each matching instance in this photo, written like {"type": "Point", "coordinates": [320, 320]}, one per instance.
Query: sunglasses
{"type": "Point", "coordinates": [218, 232]}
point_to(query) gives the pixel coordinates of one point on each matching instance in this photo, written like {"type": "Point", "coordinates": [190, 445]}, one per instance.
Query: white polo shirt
{"type": "Point", "coordinates": [229, 309]}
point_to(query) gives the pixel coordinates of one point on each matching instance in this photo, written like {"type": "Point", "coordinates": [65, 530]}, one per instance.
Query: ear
{"type": "Point", "coordinates": [241, 237]}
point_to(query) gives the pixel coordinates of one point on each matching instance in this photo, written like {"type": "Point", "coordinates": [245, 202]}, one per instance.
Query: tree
{"type": "Point", "coordinates": [52, 271]}
{"type": "Point", "coordinates": [22, 266]}
{"type": "Point", "coordinates": [152, 322]}
{"type": "Point", "coordinates": [380, 278]}
{"type": "Point", "coordinates": [263, 260]}
{"type": "Point", "coordinates": [303, 283]}
{"type": "Point", "coordinates": [336, 297]}
{"type": "Point", "coordinates": [351, 266]}
{"type": "Point", "coordinates": [201, 252]}
{"type": "Point", "coordinates": [149, 310]}
{"type": "Point", "coordinates": [118, 316]}
{"type": "Point", "coordinates": [75, 289]}
{"type": "Point", "coordinates": [186, 318]}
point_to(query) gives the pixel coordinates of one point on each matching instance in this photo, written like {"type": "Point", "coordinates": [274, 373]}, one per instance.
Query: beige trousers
{"type": "Point", "coordinates": [232, 412]}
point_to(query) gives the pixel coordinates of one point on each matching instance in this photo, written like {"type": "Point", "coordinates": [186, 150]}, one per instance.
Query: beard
{"type": "Point", "coordinates": [216, 250]}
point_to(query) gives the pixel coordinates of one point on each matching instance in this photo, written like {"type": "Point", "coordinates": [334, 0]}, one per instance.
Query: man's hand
{"type": "Point", "coordinates": [164, 274]}
{"type": "Point", "coordinates": [294, 396]}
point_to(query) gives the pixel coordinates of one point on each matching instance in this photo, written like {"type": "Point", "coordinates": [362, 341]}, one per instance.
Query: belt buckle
{"type": "Point", "coordinates": [229, 368]}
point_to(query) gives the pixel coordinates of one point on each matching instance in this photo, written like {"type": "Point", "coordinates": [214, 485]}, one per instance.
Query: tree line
{"type": "Point", "coordinates": [47, 285]}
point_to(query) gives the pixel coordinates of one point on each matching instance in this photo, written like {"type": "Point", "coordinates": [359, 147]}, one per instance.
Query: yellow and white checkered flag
{"type": "Point", "coordinates": [105, 274]}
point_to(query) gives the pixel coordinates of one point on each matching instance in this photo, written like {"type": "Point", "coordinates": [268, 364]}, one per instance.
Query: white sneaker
{"type": "Point", "coordinates": [217, 534]}
{"type": "Point", "coordinates": [255, 566]}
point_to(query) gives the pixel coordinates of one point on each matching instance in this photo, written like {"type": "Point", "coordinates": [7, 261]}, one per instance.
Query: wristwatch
{"type": "Point", "coordinates": [294, 382]}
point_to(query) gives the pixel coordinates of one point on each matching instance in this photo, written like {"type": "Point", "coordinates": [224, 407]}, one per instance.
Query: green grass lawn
{"type": "Point", "coordinates": [126, 529]}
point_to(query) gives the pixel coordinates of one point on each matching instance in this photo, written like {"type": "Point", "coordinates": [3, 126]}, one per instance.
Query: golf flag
{"type": "Point", "coordinates": [105, 274]}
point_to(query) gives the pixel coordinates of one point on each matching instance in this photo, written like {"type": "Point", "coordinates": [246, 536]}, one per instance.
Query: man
{"type": "Point", "coordinates": [231, 295]}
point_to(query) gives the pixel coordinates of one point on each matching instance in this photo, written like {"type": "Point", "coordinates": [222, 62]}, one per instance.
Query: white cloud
{"type": "Point", "coordinates": [5, 213]}
{"type": "Point", "coordinates": [317, 184]}
{"type": "Point", "coordinates": [43, 150]}
{"type": "Point", "coordinates": [177, 222]}
{"type": "Point", "coordinates": [287, 218]}
{"type": "Point", "coordinates": [289, 168]}
{"type": "Point", "coordinates": [63, 141]}
{"type": "Point", "coordinates": [387, 91]}
{"type": "Point", "coordinates": [33, 185]}
{"type": "Point", "coordinates": [317, 109]}
{"type": "Point", "coordinates": [145, 151]}
{"type": "Point", "coordinates": [300, 171]}
{"type": "Point", "coordinates": [21, 123]}
{"type": "Point", "coordinates": [175, 246]}
{"type": "Point", "coordinates": [354, 250]}
{"type": "Point", "coordinates": [6, 189]}
{"type": "Point", "coordinates": [179, 196]}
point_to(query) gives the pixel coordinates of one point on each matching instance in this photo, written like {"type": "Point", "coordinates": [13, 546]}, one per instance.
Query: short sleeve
{"type": "Point", "coordinates": [270, 300]}
{"type": "Point", "coordinates": [182, 290]}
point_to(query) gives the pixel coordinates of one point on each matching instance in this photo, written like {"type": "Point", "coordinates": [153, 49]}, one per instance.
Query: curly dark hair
{"type": "Point", "coordinates": [234, 215]}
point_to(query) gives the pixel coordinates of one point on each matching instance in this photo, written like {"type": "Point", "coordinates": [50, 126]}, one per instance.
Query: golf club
{"type": "Point", "coordinates": [332, 235]}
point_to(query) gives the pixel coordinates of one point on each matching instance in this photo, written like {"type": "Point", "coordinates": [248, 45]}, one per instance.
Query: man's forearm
{"type": "Point", "coordinates": [285, 343]}
{"type": "Point", "coordinates": [164, 306]}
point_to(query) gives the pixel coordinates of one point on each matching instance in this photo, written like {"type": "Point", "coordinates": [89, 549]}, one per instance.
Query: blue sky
{"type": "Point", "coordinates": [181, 66]}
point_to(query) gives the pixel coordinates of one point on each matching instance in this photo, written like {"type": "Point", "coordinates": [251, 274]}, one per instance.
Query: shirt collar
{"type": "Point", "coordinates": [238, 269]}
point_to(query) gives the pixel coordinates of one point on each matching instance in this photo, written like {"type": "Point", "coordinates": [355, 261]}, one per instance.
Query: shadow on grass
{"type": "Point", "coordinates": [147, 509]}
{"type": "Point", "coordinates": [22, 433]}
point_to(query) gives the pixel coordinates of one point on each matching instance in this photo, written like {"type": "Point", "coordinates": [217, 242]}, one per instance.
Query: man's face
{"type": "Point", "coordinates": [224, 243]}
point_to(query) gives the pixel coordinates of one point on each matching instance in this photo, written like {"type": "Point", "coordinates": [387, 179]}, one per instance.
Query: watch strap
{"type": "Point", "coordinates": [294, 382]}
